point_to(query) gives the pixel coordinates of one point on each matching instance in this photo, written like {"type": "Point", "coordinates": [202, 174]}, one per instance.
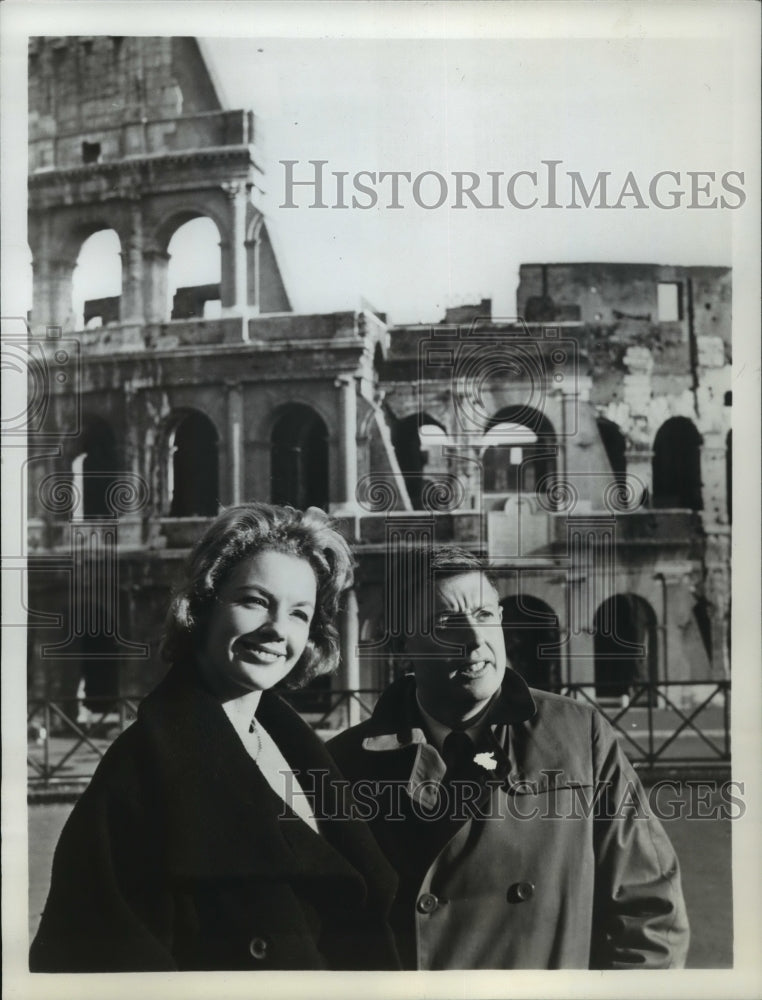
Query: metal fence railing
{"type": "Point", "coordinates": [67, 737]}
{"type": "Point", "coordinates": [671, 723]}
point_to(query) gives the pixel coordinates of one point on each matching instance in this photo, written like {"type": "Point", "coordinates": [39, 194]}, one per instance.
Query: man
{"type": "Point", "coordinates": [519, 830]}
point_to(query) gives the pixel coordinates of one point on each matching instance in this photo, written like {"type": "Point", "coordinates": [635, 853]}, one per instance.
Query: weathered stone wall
{"type": "Point", "coordinates": [80, 85]}
{"type": "Point", "coordinates": [139, 376]}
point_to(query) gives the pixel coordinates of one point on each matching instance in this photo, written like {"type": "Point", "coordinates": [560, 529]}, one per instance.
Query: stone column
{"type": "Point", "coordinates": [235, 446]}
{"type": "Point", "coordinates": [131, 523]}
{"type": "Point", "coordinates": [155, 285]}
{"type": "Point", "coordinates": [574, 392]}
{"type": "Point", "coordinates": [718, 593]}
{"type": "Point", "coordinates": [592, 565]}
{"type": "Point", "coordinates": [639, 464]}
{"type": "Point", "coordinates": [713, 476]}
{"type": "Point", "coordinates": [40, 293]}
{"type": "Point", "coordinates": [233, 251]}
{"type": "Point", "coordinates": [52, 292]}
{"type": "Point", "coordinates": [676, 608]}
{"type": "Point", "coordinates": [132, 271]}
{"type": "Point", "coordinates": [343, 485]}
{"type": "Point", "coordinates": [350, 662]}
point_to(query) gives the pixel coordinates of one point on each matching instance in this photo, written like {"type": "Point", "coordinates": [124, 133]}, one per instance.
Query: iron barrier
{"type": "Point", "coordinates": [665, 724]}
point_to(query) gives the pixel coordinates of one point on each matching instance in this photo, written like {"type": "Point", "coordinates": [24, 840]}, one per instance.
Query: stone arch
{"type": "Point", "coordinates": [527, 416]}
{"type": "Point", "coordinates": [71, 229]}
{"type": "Point", "coordinates": [291, 398]}
{"type": "Point", "coordinates": [412, 454]}
{"type": "Point", "coordinates": [264, 284]}
{"type": "Point", "coordinates": [529, 624]}
{"type": "Point", "coordinates": [182, 212]}
{"type": "Point", "coordinates": [299, 461]}
{"type": "Point", "coordinates": [191, 465]}
{"type": "Point", "coordinates": [677, 465]}
{"type": "Point", "coordinates": [518, 451]}
{"type": "Point", "coordinates": [625, 645]}
{"type": "Point", "coordinates": [254, 226]}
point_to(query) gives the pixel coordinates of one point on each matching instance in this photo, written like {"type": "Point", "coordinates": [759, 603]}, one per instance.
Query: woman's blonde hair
{"type": "Point", "coordinates": [243, 531]}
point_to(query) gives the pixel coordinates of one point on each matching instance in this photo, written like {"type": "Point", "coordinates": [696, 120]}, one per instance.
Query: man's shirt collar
{"type": "Point", "coordinates": [397, 719]}
{"type": "Point", "coordinates": [438, 731]}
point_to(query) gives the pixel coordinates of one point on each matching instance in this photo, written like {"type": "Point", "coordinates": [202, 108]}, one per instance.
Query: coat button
{"type": "Point", "coordinates": [427, 903]}
{"type": "Point", "coordinates": [258, 948]}
{"type": "Point", "coordinates": [520, 892]}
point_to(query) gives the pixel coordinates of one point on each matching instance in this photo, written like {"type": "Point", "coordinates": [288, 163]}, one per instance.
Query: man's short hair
{"type": "Point", "coordinates": [452, 560]}
{"type": "Point", "coordinates": [418, 568]}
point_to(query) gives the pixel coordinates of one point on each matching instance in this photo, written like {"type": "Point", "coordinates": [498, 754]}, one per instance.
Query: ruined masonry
{"type": "Point", "coordinates": [585, 448]}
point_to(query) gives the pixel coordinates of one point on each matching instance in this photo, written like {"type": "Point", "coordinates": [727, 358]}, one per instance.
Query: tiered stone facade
{"type": "Point", "coordinates": [585, 451]}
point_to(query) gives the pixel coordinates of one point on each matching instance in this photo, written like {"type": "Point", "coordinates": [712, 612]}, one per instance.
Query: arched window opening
{"type": "Point", "coordinates": [94, 469]}
{"type": "Point", "coordinates": [529, 626]}
{"type": "Point", "coordinates": [419, 441]}
{"type": "Point", "coordinates": [194, 270]}
{"type": "Point", "coordinates": [96, 282]}
{"type": "Point", "coordinates": [518, 451]}
{"type": "Point", "coordinates": [299, 459]}
{"type": "Point", "coordinates": [193, 467]}
{"type": "Point", "coordinates": [677, 465]}
{"type": "Point", "coordinates": [625, 645]}
{"type": "Point", "coordinates": [616, 446]}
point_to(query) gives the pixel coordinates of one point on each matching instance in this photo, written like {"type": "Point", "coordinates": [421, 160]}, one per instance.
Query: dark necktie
{"type": "Point", "coordinates": [458, 754]}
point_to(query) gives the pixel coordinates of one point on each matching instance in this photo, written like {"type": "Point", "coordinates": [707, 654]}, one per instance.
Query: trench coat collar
{"type": "Point", "coordinates": [396, 720]}
{"type": "Point", "coordinates": [396, 724]}
{"type": "Point", "coordinates": [220, 818]}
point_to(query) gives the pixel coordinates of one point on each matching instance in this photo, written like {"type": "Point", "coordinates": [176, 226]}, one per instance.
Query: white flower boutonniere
{"type": "Point", "coordinates": [486, 760]}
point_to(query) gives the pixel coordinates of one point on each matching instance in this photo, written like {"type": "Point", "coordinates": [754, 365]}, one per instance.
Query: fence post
{"type": "Point", "coordinates": [46, 744]}
{"type": "Point", "coordinates": [726, 716]}
{"type": "Point", "coordinates": [350, 637]}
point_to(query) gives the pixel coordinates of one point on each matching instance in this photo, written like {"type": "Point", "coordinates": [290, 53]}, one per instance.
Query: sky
{"type": "Point", "coordinates": [631, 89]}
{"type": "Point", "coordinates": [634, 86]}
{"type": "Point", "coordinates": [643, 105]}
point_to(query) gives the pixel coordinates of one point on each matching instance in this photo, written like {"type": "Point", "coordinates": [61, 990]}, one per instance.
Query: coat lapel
{"type": "Point", "coordinates": [396, 726]}
{"type": "Point", "coordinates": [220, 818]}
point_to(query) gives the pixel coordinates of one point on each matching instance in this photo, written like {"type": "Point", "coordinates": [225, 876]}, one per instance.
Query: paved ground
{"type": "Point", "coordinates": [703, 846]}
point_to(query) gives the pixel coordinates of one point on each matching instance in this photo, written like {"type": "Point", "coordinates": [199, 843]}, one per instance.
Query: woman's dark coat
{"type": "Point", "coordinates": [180, 856]}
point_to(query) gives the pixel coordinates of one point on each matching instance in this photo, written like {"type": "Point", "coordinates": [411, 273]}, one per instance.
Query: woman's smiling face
{"type": "Point", "coordinates": [259, 624]}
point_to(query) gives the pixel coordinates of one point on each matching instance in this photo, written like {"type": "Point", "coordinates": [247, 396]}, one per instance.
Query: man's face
{"type": "Point", "coordinates": [459, 660]}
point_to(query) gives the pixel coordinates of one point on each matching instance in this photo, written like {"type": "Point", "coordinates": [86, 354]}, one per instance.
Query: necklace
{"type": "Point", "coordinates": [253, 729]}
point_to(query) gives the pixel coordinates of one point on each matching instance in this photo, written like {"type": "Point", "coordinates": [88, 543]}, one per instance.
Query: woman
{"type": "Point", "coordinates": [213, 834]}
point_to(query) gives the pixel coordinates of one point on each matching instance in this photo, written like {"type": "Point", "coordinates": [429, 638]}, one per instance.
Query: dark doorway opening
{"type": "Point", "coordinates": [625, 643]}
{"type": "Point", "coordinates": [299, 473]}
{"type": "Point", "coordinates": [194, 467]}
{"type": "Point", "coordinates": [529, 625]}
{"type": "Point", "coordinates": [677, 465]}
